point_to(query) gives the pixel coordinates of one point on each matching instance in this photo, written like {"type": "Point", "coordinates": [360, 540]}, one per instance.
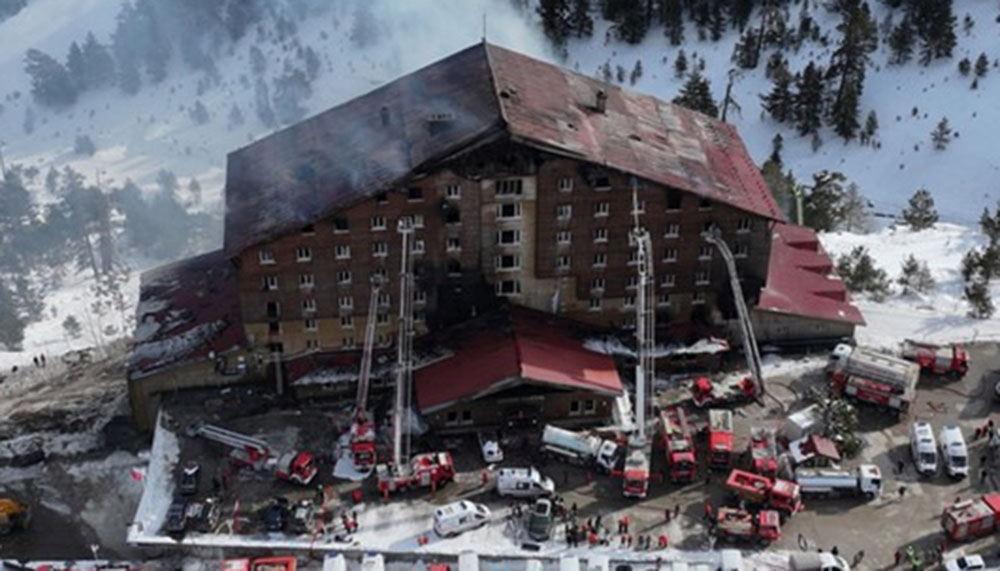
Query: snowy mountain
{"type": "Point", "coordinates": [186, 123]}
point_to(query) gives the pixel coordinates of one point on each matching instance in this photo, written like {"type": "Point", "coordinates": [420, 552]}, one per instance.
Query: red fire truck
{"type": "Point", "coordinates": [720, 439]}
{"type": "Point", "coordinates": [431, 470]}
{"type": "Point", "coordinates": [950, 360]}
{"type": "Point", "coordinates": [970, 519]}
{"type": "Point", "coordinates": [777, 494]}
{"type": "Point", "coordinates": [763, 451]}
{"type": "Point", "coordinates": [728, 391]}
{"type": "Point", "coordinates": [675, 436]}
{"type": "Point", "coordinates": [741, 525]}
{"type": "Point", "coordinates": [869, 376]}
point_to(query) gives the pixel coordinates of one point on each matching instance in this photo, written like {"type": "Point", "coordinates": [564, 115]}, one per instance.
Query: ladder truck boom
{"type": "Point", "coordinates": [362, 429]}
{"type": "Point", "coordinates": [254, 446]}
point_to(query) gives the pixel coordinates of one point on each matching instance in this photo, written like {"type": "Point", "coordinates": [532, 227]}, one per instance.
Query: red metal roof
{"type": "Point", "coordinates": [516, 346]}
{"type": "Point", "coordinates": [821, 447]}
{"type": "Point", "coordinates": [186, 310]}
{"type": "Point", "coordinates": [802, 280]}
{"type": "Point", "coordinates": [375, 142]}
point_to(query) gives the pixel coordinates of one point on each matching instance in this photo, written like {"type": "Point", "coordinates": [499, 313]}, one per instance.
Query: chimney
{"type": "Point", "coordinates": [384, 112]}
{"type": "Point", "coordinates": [602, 101]}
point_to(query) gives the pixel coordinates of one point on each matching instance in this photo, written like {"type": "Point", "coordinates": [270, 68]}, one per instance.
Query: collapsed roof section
{"type": "Point", "coordinates": [310, 170]}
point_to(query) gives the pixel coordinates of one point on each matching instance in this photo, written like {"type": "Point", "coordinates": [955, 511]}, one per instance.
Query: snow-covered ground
{"type": "Point", "coordinates": [938, 317]}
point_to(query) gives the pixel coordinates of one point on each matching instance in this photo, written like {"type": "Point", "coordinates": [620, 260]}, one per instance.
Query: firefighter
{"type": "Point", "coordinates": [664, 541]}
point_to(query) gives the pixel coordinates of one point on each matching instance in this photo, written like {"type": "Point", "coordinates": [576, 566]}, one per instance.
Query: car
{"type": "Point", "coordinates": [302, 518]}
{"type": "Point", "coordinates": [489, 445]}
{"type": "Point", "coordinates": [923, 448]}
{"type": "Point", "coordinates": [204, 516]}
{"type": "Point", "coordinates": [965, 563]}
{"type": "Point", "coordinates": [540, 520]}
{"type": "Point", "coordinates": [954, 452]}
{"type": "Point", "coordinates": [276, 515]}
{"type": "Point", "coordinates": [523, 483]}
{"type": "Point", "coordinates": [189, 478]}
{"type": "Point", "coordinates": [177, 515]}
{"type": "Point", "coordinates": [457, 517]}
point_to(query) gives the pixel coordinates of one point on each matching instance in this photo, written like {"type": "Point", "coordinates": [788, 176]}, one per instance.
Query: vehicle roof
{"type": "Point", "coordinates": [528, 472]}
{"type": "Point", "coordinates": [454, 508]}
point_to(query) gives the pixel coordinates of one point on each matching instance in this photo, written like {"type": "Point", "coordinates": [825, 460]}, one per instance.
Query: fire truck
{"type": "Point", "coordinates": [728, 391]}
{"type": "Point", "coordinates": [763, 451]}
{"type": "Point", "coordinates": [876, 378]}
{"type": "Point", "coordinates": [720, 439]}
{"type": "Point", "coordinates": [741, 525]}
{"type": "Point", "coordinates": [774, 493]}
{"type": "Point", "coordinates": [949, 360]}
{"type": "Point", "coordinates": [635, 474]}
{"type": "Point", "coordinates": [297, 467]}
{"type": "Point", "coordinates": [431, 470]}
{"type": "Point", "coordinates": [970, 519]}
{"type": "Point", "coordinates": [675, 436]}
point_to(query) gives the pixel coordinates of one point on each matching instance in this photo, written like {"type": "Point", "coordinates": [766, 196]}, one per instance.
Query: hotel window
{"type": "Point", "coordinates": [419, 247]}
{"type": "Point", "coordinates": [663, 300]}
{"type": "Point", "coordinates": [274, 327]}
{"type": "Point", "coordinates": [701, 277]}
{"type": "Point", "coordinates": [381, 275]}
{"type": "Point", "coordinates": [312, 345]}
{"type": "Point", "coordinates": [309, 230]}
{"type": "Point", "coordinates": [342, 252]}
{"type": "Point", "coordinates": [564, 212]}
{"type": "Point", "coordinates": [453, 191]}
{"type": "Point", "coordinates": [602, 209]}
{"type": "Point", "coordinates": [416, 220]}
{"type": "Point", "coordinates": [383, 299]}
{"type": "Point", "coordinates": [602, 183]}
{"type": "Point", "coordinates": [564, 237]}
{"type": "Point", "coordinates": [452, 215]}
{"type": "Point", "coordinates": [508, 287]}
{"type": "Point", "coordinates": [382, 198]}
{"type": "Point", "coordinates": [346, 302]}
{"type": "Point", "coordinates": [340, 225]}
{"type": "Point", "coordinates": [453, 244]}
{"type": "Point", "coordinates": [509, 211]}
{"type": "Point", "coordinates": [270, 282]}
{"type": "Point", "coordinates": [266, 257]}
{"type": "Point", "coordinates": [383, 339]}
{"type": "Point", "coordinates": [347, 321]}
{"type": "Point", "coordinates": [565, 184]}
{"type": "Point", "coordinates": [640, 208]}
{"type": "Point", "coordinates": [419, 317]}
{"type": "Point", "coordinates": [574, 408]}
{"type": "Point", "coordinates": [589, 406]}
{"type": "Point", "coordinates": [562, 263]}
{"type": "Point", "coordinates": [311, 325]}
{"type": "Point", "coordinates": [380, 249]}
{"type": "Point", "coordinates": [414, 193]}
{"type": "Point", "coordinates": [344, 277]}
{"type": "Point", "coordinates": [454, 268]}
{"type": "Point", "coordinates": [705, 252]}
{"type": "Point", "coordinates": [674, 198]}
{"type": "Point", "coordinates": [309, 305]}
{"type": "Point", "coordinates": [597, 284]}
{"type": "Point", "coordinates": [742, 251]}
{"type": "Point", "coordinates": [382, 319]}
{"type": "Point", "coordinates": [600, 234]}
{"type": "Point", "coordinates": [633, 258]}
{"type": "Point", "coordinates": [628, 301]}
{"type": "Point", "coordinates": [306, 281]}
{"type": "Point", "coordinates": [507, 262]}
{"type": "Point", "coordinates": [631, 282]}
{"type": "Point", "coordinates": [668, 280]}
{"type": "Point", "coordinates": [347, 343]}
{"type": "Point", "coordinates": [705, 204]}
{"type": "Point", "coordinates": [378, 223]}
{"type": "Point", "coordinates": [509, 187]}
{"type": "Point", "coordinates": [303, 254]}
{"type": "Point", "coordinates": [743, 225]}
{"type": "Point", "coordinates": [699, 298]}
{"type": "Point", "coordinates": [673, 230]}
{"type": "Point", "coordinates": [273, 309]}
{"type": "Point", "coordinates": [670, 255]}
{"type": "Point", "coordinates": [509, 237]}
{"type": "Point", "coordinates": [600, 259]}
{"type": "Point", "coordinates": [595, 304]}
{"type": "Point", "coordinates": [419, 297]}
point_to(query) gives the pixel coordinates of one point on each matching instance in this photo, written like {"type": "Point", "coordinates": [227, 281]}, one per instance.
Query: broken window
{"type": "Point", "coordinates": [273, 309]}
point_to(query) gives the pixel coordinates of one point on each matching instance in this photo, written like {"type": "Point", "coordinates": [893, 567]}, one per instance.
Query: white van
{"type": "Point", "coordinates": [953, 451]}
{"type": "Point", "coordinates": [818, 562]}
{"type": "Point", "coordinates": [523, 483]}
{"type": "Point", "coordinates": [923, 447]}
{"type": "Point", "coordinates": [457, 517]}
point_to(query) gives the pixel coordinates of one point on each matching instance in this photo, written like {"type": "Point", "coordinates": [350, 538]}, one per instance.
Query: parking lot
{"type": "Point", "coordinates": [877, 528]}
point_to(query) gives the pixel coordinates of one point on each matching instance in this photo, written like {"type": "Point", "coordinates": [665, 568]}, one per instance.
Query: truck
{"type": "Point", "coordinates": [969, 519]}
{"type": "Point", "coordinates": [675, 437]}
{"type": "Point", "coordinates": [773, 493]}
{"type": "Point", "coordinates": [635, 474]}
{"type": "Point", "coordinates": [876, 378]}
{"type": "Point", "coordinates": [825, 561]}
{"type": "Point", "coordinates": [947, 360]}
{"type": "Point", "coordinates": [429, 470]}
{"type": "Point", "coordinates": [720, 439]}
{"type": "Point", "coordinates": [293, 466]}
{"type": "Point", "coordinates": [580, 448]}
{"type": "Point", "coordinates": [865, 480]}
{"type": "Point", "coordinates": [730, 390]}
{"type": "Point", "coordinates": [763, 451]}
{"type": "Point", "coordinates": [741, 525]}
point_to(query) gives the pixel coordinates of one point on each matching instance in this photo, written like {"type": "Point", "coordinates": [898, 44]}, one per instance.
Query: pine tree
{"type": "Point", "coordinates": [871, 128]}
{"type": "Point", "coordinates": [580, 20]}
{"type": "Point", "coordinates": [716, 21]}
{"type": "Point", "coordinates": [745, 52]}
{"type": "Point", "coordinates": [636, 73]}
{"type": "Point", "coordinates": [823, 204]}
{"type": "Point", "coordinates": [157, 50]}
{"type": "Point", "coordinates": [680, 64]}
{"type": "Point", "coordinates": [128, 46]}
{"type": "Point", "coordinates": [861, 275]}
{"type": "Point", "coordinates": [99, 65]}
{"type": "Point", "coordinates": [235, 117]}
{"type": "Point", "coordinates": [982, 65]}
{"type": "Point", "coordinates": [630, 17]}
{"type": "Point", "coordinates": [857, 217]}
{"type": "Point", "coordinates": [935, 24]}
{"type": "Point", "coordinates": [258, 64]}
{"type": "Point", "coordinates": [941, 135]}
{"type": "Point", "coordinates": [72, 327]}
{"type": "Point", "coordinates": [290, 91]}
{"type": "Point", "coordinates": [777, 144]}
{"type": "Point", "coordinates": [262, 103]}
{"type": "Point", "coordinates": [780, 102]}
{"type": "Point", "coordinates": [696, 94]}
{"type": "Point", "coordinates": [809, 100]}
{"type": "Point", "coordinates": [51, 84]}
{"type": "Point", "coordinates": [77, 68]}
{"type": "Point", "coordinates": [977, 293]}
{"type": "Point", "coordinates": [194, 189]}
{"type": "Point", "coordinates": [555, 16]}
{"type": "Point", "coordinates": [11, 323]}
{"type": "Point", "coordinates": [920, 214]}
{"type": "Point", "coordinates": [199, 113]}
{"type": "Point", "coordinates": [990, 225]}
{"type": "Point", "coordinates": [312, 63]}
{"type": "Point", "coordinates": [901, 42]}
{"type": "Point", "coordinates": [671, 15]}
{"type": "Point", "coordinates": [915, 276]}
{"type": "Point", "coordinates": [783, 187]}
{"type": "Point", "coordinates": [845, 115]}
{"type": "Point", "coordinates": [964, 66]}
{"type": "Point", "coordinates": [858, 39]}
{"type": "Point", "coordinates": [740, 12]}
